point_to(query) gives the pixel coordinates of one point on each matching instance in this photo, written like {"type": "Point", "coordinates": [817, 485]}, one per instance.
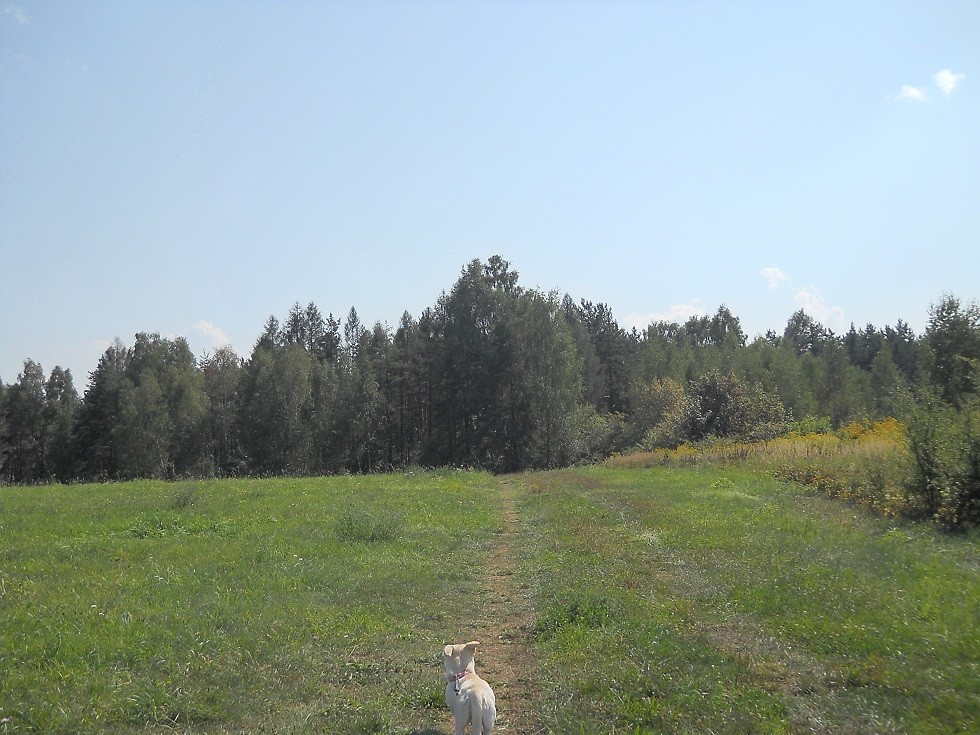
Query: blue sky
{"type": "Point", "coordinates": [192, 167]}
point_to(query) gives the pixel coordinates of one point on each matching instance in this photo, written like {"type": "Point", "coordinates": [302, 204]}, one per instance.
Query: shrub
{"type": "Point", "coordinates": [723, 406]}
{"type": "Point", "coordinates": [944, 483]}
{"type": "Point", "coordinates": [811, 425]}
{"type": "Point", "coordinates": [657, 410]}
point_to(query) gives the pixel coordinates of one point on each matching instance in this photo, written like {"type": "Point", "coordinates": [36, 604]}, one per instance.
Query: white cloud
{"type": "Point", "coordinates": [912, 94]}
{"type": "Point", "coordinates": [774, 276]}
{"type": "Point", "coordinates": [17, 13]}
{"type": "Point", "coordinates": [216, 335]}
{"type": "Point", "coordinates": [813, 303]}
{"type": "Point", "coordinates": [678, 313]}
{"type": "Point", "coordinates": [947, 81]}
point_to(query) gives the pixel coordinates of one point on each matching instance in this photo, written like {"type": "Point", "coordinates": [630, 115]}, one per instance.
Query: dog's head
{"type": "Point", "coordinates": [459, 659]}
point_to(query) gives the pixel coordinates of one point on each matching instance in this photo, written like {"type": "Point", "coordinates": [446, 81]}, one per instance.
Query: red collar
{"type": "Point", "coordinates": [459, 677]}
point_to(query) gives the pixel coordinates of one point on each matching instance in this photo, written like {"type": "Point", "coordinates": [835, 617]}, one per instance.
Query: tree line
{"type": "Point", "coordinates": [494, 375]}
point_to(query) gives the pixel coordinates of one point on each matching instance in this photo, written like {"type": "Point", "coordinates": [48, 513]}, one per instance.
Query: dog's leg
{"type": "Point", "coordinates": [488, 719]}
{"type": "Point", "coordinates": [476, 715]}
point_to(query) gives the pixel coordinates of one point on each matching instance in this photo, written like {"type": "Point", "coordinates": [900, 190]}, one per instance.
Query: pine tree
{"type": "Point", "coordinates": [95, 431]}
{"type": "Point", "coordinates": [25, 426]}
{"type": "Point", "coordinates": [62, 403]}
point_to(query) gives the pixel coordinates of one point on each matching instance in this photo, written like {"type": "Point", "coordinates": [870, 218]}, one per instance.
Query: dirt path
{"type": "Point", "coordinates": [505, 657]}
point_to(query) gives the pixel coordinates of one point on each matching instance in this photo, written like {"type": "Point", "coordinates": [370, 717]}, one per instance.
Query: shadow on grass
{"type": "Point", "coordinates": [428, 731]}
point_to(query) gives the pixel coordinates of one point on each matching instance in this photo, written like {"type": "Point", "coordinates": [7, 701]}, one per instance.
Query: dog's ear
{"type": "Point", "coordinates": [447, 651]}
{"type": "Point", "coordinates": [471, 646]}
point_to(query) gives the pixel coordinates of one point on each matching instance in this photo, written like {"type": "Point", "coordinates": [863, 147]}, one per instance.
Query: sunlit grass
{"type": "Point", "coordinates": [665, 600]}
{"type": "Point", "coordinates": [234, 605]}
{"type": "Point", "coordinates": [691, 601]}
{"type": "Point", "coordinates": [864, 463]}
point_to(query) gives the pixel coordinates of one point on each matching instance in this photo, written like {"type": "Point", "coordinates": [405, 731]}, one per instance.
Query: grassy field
{"type": "Point", "coordinates": [288, 606]}
{"type": "Point", "coordinates": [708, 601]}
{"type": "Point", "coordinates": [664, 601]}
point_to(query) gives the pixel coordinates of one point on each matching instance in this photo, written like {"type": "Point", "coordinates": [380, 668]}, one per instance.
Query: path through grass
{"type": "Point", "coordinates": [608, 600]}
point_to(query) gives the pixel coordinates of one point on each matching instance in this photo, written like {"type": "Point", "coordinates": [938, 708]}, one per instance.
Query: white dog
{"type": "Point", "coordinates": [469, 697]}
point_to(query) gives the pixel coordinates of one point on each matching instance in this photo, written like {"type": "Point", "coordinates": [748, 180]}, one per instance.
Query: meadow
{"type": "Point", "coordinates": [652, 600]}
{"type": "Point", "coordinates": [281, 605]}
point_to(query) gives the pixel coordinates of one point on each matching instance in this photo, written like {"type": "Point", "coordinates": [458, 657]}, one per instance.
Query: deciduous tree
{"type": "Point", "coordinates": [222, 373]}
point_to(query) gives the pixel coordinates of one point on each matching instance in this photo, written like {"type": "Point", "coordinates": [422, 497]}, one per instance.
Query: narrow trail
{"type": "Point", "coordinates": [505, 657]}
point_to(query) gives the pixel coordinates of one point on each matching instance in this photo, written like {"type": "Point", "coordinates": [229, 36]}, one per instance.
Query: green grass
{"type": "Point", "coordinates": [234, 606]}
{"type": "Point", "coordinates": [694, 601]}
{"type": "Point", "coordinates": [665, 601]}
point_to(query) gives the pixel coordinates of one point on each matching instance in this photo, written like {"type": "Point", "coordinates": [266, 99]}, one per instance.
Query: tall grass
{"type": "Point", "coordinates": [866, 463]}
